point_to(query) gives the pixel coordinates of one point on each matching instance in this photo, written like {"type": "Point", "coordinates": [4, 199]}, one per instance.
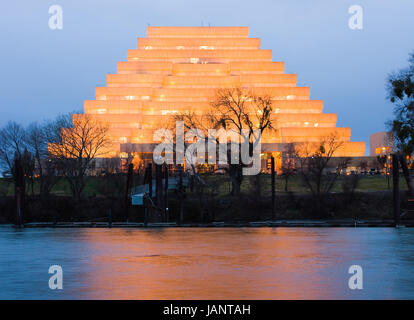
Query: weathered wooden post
{"type": "Point", "coordinates": [149, 168]}
{"type": "Point", "coordinates": [157, 185]}
{"type": "Point", "coordinates": [19, 223]}
{"type": "Point", "coordinates": [396, 188]}
{"type": "Point", "coordinates": [110, 218]}
{"type": "Point", "coordinates": [158, 189]}
{"type": "Point", "coordinates": [180, 193]}
{"type": "Point", "coordinates": [145, 203]}
{"type": "Point", "coordinates": [128, 189]}
{"type": "Point", "coordinates": [273, 177]}
{"type": "Point", "coordinates": [19, 191]}
{"type": "Point", "coordinates": [166, 192]}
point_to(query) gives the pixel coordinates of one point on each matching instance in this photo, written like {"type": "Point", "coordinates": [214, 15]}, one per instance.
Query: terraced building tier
{"type": "Point", "coordinates": [178, 69]}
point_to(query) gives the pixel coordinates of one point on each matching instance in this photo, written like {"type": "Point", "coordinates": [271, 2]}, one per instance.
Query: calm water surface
{"type": "Point", "coordinates": [230, 263]}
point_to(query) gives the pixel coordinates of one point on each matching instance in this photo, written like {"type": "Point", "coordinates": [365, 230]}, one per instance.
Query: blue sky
{"type": "Point", "coordinates": [45, 72]}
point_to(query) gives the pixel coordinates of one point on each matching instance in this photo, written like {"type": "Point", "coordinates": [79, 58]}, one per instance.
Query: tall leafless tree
{"type": "Point", "coordinates": [38, 137]}
{"type": "Point", "coordinates": [12, 144]}
{"type": "Point", "coordinates": [288, 165]}
{"type": "Point", "coordinates": [81, 140]}
{"type": "Point", "coordinates": [240, 110]}
{"type": "Point", "coordinates": [314, 160]}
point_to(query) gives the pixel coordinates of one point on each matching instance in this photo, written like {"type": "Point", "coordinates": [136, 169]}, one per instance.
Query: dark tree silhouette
{"type": "Point", "coordinates": [401, 93]}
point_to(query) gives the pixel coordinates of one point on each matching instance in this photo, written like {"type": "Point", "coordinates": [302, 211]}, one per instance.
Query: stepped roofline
{"type": "Point", "coordinates": [191, 32]}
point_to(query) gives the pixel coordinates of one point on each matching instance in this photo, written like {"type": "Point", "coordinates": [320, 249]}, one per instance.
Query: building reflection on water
{"type": "Point", "coordinates": [211, 263]}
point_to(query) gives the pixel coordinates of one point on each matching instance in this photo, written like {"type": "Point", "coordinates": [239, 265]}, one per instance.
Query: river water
{"type": "Point", "coordinates": [207, 263]}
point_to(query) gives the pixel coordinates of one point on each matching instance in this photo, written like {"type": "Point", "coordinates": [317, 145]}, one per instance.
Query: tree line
{"type": "Point", "coordinates": [64, 147]}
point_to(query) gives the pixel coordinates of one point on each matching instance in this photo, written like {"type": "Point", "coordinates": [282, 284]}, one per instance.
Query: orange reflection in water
{"type": "Point", "coordinates": [260, 263]}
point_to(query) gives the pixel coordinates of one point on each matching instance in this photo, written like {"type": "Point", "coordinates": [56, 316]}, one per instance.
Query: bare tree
{"type": "Point", "coordinates": [81, 141]}
{"type": "Point", "coordinates": [313, 159]}
{"type": "Point", "coordinates": [202, 123]}
{"type": "Point", "coordinates": [237, 110]}
{"type": "Point", "coordinates": [12, 144]}
{"type": "Point", "coordinates": [288, 163]}
{"type": "Point", "coordinates": [28, 164]}
{"type": "Point", "coordinates": [37, 140]}
{"type": "Point", "coordinates": [240, 110]}
{"type": "Point", "coordinates": [191, 120]}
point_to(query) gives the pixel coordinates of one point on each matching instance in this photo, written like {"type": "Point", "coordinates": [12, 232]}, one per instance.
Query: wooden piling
{"type": "Point", "coordinates": [157, 185]}
{"type": "Point", "coordinates": [149, 168]}
{"type": "Point", "coordinates": [166, 192]}
{"type": "Point", "coordinates": [396, 188]}
{"type": "Point", "coordinates": [128, 190]}
{"type": "Point", "coordinates": [110, 218]}
{"type": "Point", "coordinates": [19, 191]}
{"type": "Point", "coordinates": [158, 190]}
{"type": "Point", "coordinates": [145, 203]}
{"type": "Point", "coordinates": [19, 223]}
{"type": "Point", "coordinates": [273, 178]}
{"type": "Point", "coordinates": [180, 193]}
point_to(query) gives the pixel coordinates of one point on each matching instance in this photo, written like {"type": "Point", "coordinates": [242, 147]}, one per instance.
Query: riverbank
{"type": "Point", "coordinates": [360, 208]}
{"type": "Point", "coordinates": [331, 223]}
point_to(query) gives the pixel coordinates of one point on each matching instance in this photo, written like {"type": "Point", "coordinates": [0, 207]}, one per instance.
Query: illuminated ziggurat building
{"type": "Point", "coordinates": [179, 69]}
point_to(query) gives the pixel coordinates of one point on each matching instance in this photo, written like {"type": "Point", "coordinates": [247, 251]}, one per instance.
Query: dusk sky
{"type": "Point", "coordinates": [48, 72]}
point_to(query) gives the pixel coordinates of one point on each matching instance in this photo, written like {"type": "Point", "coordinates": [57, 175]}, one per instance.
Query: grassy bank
{"type": "Point", "coordinates": [371, 199]}
{"type": "Point", "coordinates": [367, 183]}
